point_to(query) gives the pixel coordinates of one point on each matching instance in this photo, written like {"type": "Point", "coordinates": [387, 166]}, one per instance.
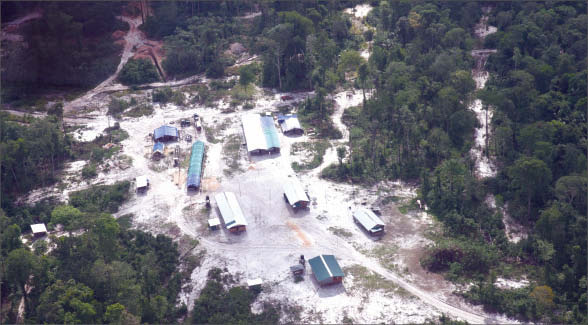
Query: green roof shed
{"type": "Point", "coordinates": [326, 270]}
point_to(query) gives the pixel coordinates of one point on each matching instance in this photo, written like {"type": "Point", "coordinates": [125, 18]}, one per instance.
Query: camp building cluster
{"type": "Point", "coordinates": [261, 138]}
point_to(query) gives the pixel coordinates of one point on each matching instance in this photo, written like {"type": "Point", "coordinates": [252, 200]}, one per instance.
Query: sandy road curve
{"type": "Point", "coordinates": [133, 39]}
{"type": "Point", "coordinates": [351, 253]}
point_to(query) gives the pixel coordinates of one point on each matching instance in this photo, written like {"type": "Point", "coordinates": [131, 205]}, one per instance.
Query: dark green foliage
{"type": "Point", "coordinates": [162, 95]}
{"type": "Point", "coordinates": [31, 156]}
{"type": "Point", "coordinates": [138, 71]}
{"type": "Point", "coordinates": [140, 110]}
{"type": "Point", "coordinates": [117, 106]}
{"type": "Point", "coordinates": [70, 45]}
{"type": "Point", "coordinates": [218, 305]}
{"type": "Point", "coordinates": [101, 198]}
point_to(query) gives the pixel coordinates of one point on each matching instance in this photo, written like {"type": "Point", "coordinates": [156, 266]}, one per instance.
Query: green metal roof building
{"type": "Point", "coordinates": [326, 270]}
{"type": "Point", "coordinates": [195, 169]}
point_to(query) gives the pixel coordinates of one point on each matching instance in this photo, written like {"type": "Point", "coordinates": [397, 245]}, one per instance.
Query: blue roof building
{"type": "Point", "coordinates": [166, 133]}
{"type": "Point", "coordinates": [158, 150]}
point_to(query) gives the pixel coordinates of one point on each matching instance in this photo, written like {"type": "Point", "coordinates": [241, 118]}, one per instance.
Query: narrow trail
{"type": "Point", "coordinates": [349, 252]}
{"type": "Point", "coordinates": [133, 39]}
{"type": "Point", "coordinates": [343, 100]}
{"type": "Point", "coordinates": [9, 29]}
{"type": "Point", "coordinates": [484, 165]}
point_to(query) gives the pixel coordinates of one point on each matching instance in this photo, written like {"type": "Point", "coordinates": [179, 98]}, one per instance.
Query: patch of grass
{"type": "Point", "coordinates": [213, 133]}
{"type": "Point", "coordinates": [385, 253]}
{"type": "Point", "coordinates": [340, 232]}
{"type": "Point", "coordinates": [391, 199]}
{"type": "Point", "coordinates": [316, 150]}
{"type": "Point", "coordinates": [89, 171]}
{"type": "Point", "coordinates": [242, 93]}
{"type": "Point", "coordinates": [140, 110]}
{"type": "Point", "coordinates": [369, 281]}
{"type": "Point", "coordinates": [125, 221]}
{"type": "Point", "coordinates": [232, 154]}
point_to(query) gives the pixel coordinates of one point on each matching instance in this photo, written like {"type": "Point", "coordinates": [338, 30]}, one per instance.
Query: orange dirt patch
{"type": "Point", "coordinates": [180, 178]}
{"type": "Point", "coordinates": [299, 233]}
{"type": "Point", "coordinates": [210, 184]}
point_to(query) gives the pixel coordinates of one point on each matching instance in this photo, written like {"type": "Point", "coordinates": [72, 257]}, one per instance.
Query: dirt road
{"type": "Point", "coordinates": [133, 39]}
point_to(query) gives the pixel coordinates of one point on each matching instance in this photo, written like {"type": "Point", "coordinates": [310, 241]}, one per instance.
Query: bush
{"type": "Point", "coordinates": [140, 110]}
{"type": "Point", "coordinates": [162, 95]}
{"type": "Point", "coordinates": [117, 106]}
{"type": "Point", "coordinates": [138, 71]}
{"type": "Point", "coordinates": [101, 198]}
{"type": "Point", "coordinates": [89, 171]}
{"type": "Point", "coordinates": [216, 69]}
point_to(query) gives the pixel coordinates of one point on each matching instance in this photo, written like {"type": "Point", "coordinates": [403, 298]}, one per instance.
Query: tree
{"type": "Point", "coordinates": [350, 60]}
{"type": "Point", "coordinates": [572, 190]}
{"type": "Point", "coordinates": [67, 216]}
{"type": "Point", "coordinates": [246, 74]}
{"type": "Point", "coordinates": [531, 178]}
{"type": "Point", "coordinates": [20, 266]}
{"type": "Point", "coordinates": [138, 71]}
{"type": "Point", "coordinates": [341, 151]}
{"type": "Point", "coordinates": [67, 302]}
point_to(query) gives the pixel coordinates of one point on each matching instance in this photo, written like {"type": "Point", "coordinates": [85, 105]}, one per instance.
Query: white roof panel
{"type": "Point", "coordinates": [38, 228]}
{"type": "Point", "coordinates": [294, 191]}
{"type": "Point", "coordinates": [367, 218]}
{"type": "Point", "coordinates": [213, 222]}
{"type": "Point", "coordinates": [142, 181]}
{"type": "Point", "coordinates": [254, 282]}
{"type": "Point", "coordinates": [230, 210]}
{"type": "Point", "coordinates": [291, 123]}
{"type": "Point", "coordinates": [254, 135]}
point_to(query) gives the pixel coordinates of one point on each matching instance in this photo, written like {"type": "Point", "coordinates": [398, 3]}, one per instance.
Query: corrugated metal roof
{"type": "Point", "coordinates": [294, 191]}
{"type": "Point", "coordinates": [38, 228]}
{"type": "Point", "coordinates": [260, 132]}
{"type": "Point", "coordinates": [142, 181]}
{"type": "Point", "coordinates": [325, 267]}
{"type": "Point", "coordinates": [165, 130]}
{"type": "Point", "coordinates": [270, 132]}
{"type": "Point", "coordinates": [253, 133]}
{"type": "Point", "coordinates": [195, 169]}
{"type": "Point", "coordinates": [230, 210]}
{"type": "Point", "coordinates": [158, 146]}
{"type": "Point", "coordinates": [289, 122]}
{"type": "Point", "coordinates": [368, 219]}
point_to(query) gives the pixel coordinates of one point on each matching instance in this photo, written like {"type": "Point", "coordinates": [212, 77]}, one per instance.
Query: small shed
{"type": "Point", "coordinates": [142, 183]}
{"type": "Point", "coordinates": [254, 283]}
{"type": "Point", "coordinates": [166, 133]}
{"type": "Point", "coordinates": [214, 223]}
{"type": "Point", "coordinates": [39, 230]}
{"type": "Point", "coordinates": [326, 270]}
{"type": "Point", "coordinates": [195, 169]}
{"type": "Point", "coordinates": [295, 195]}
{"type": "Point", "coordinates": [290, 124]}
{"type": "Point", "coordinates": [231, 211]}
{"type": "Point", "coordinates": [158, 150]}
{"type": "Point", "coordinates": [369, 221]}
{"type": "Point", "coordinates": [297, 269]}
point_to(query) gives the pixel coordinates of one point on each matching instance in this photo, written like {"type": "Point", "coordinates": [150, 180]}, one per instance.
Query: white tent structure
{"type": "Point", "coordinates": [142, 183]}
{"type": "Point", "coordinates": [295, 195]}
{"type": "Point", "coordinates": [369, 221]}
{"type": "Point", "coordinates": [231, 211]}
{"type": "Point", "coordinates": [39, 229]}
